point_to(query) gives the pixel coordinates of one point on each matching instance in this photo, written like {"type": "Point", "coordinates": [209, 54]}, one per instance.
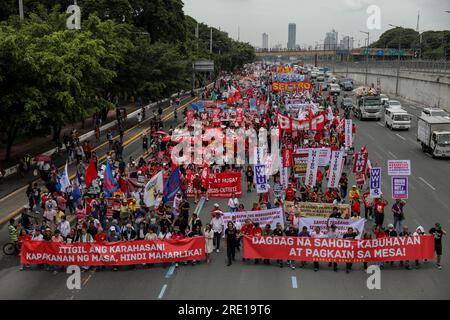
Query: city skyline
{"type": "Point", "coordinates": [346, 16]}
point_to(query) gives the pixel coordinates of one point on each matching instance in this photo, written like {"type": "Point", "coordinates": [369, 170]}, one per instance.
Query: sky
{"type": "Point", "coordinates": [314, 18]}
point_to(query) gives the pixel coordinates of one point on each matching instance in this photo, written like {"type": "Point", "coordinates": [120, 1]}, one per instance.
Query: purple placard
{"type": "Point", "coordinates": [400, 188]}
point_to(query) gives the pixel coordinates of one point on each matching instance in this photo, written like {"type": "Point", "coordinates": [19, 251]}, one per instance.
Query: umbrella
{"type": "Point", "coordinates": [167, 138]}
{"type": "Point", "coordinates": [42, 158]}
{"type": "Point", "coordinates": [160, 133]}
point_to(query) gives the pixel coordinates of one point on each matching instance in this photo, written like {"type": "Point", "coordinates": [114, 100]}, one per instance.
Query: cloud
{"type": "Point", "coordinates": [358, 4]}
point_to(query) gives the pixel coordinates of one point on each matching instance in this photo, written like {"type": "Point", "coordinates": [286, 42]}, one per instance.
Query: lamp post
{"type": "Point", "coordinates": [21, 9]}
{"type": "Point", "coordinates": [398, 59]}
{"type": "Point", "coordinates": [367, 54]}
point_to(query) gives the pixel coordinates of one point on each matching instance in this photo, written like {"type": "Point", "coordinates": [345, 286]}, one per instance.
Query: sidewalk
{"type": "Point", "coordinates": [38, 145]}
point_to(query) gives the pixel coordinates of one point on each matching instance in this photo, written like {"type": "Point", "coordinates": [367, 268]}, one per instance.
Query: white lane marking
{"type": "Point", "coordinates": [161, 294]}
{"type": "Point", "coordinates": [392, 155]}
{"type": "Point", "coordinates": [370, 137]}
{"type": "Point", "coordinates": [380, 124]}
{"type": "Point", "coordinates": [427, 183]}
{"type": "Point", "coordinates": [400, 137]}
{"type": "Point", "coordinates": [378, 155]}
{"type": "Point", "coordinates": [294, 282]}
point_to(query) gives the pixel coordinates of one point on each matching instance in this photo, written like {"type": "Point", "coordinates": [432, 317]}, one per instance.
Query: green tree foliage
{"type": "Point", "coordinates": [51, 76]}
{"type": "Point", "coordinates": [433, 44]}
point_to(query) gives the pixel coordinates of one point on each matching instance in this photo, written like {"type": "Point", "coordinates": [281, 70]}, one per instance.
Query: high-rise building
{"type": "Point", "coordinates": [347, 43]}
{"type": "Point", "coordinates": [265, 41]}
{"type": "Point", "coordinates": [331, 40]}
{"type": "Point", "coordinates": [292, 36]}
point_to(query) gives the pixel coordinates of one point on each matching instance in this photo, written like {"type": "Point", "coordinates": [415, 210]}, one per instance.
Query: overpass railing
{"type": "Point", "coordinates": [428, 66]}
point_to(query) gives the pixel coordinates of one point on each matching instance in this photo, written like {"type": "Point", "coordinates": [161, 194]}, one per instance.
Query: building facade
{"type": "Point", "coordinates": [265, 41]}
{"type": "Point", "coordinates": [292, 36]}
{"type": "Point", "coordinates": [331, 40]}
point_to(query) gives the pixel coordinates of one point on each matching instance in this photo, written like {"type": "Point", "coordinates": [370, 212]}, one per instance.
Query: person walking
{"type": "Point", "coordinates": [332, 234]}
{"type": "Point", "coordinates": [217, 226]}
{"type": "Point", "coordinates": [209, 242]}
{"type": "Point", "coordinates": [351, 234]}
{"type": "Point", "coordinates": [399, 216]}
{"type": "Point", "coordinates": [233, 203]}
{"type": "Point", "coordinates": [438, 232]}
{"type": "Point", "coordinates": [231, 235]}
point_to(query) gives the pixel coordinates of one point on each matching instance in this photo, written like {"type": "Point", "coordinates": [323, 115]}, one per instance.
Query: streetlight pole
{"type": "Point", "coordinates": [398, 59]}
{"type": "Point", "coordinates": [21, 10]}
{"type": "Point", "coordinates": [367, 55]}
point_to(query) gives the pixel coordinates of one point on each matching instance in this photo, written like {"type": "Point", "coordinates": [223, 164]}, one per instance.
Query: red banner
{"type": "Point", "coordinates": [287, 158]}
{"type": "Point", "coordinates": [109, 254]}
{"type": "Point", "coordinates": [339, 250]}
{"type": "Point", "coordinates": [281, 86]}
{"type": "Point", "coordinates": [221, 185]}
{"type": "Point", "coordinates": [360, 163]}
{"type": "Point", "coordinates": [291, 124]}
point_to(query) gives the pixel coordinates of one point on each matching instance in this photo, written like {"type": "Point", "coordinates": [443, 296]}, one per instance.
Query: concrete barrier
{"type": "Point", "coordinates": [428, 89]}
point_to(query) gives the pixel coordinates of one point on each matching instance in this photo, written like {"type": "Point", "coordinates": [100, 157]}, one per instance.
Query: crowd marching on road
{"type": "Point", "coordinates": [147, 199]}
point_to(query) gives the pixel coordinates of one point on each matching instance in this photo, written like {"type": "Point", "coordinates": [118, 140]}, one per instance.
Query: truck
{"type": "Point", "coordinates": [367, 104]}
{"type": "Point", "coordinates": [434, 135]}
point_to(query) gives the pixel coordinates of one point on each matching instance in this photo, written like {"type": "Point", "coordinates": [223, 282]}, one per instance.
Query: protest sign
{"type": "Point", "coordinates": [399, 168]}
{"type": "Point", "coordinates": [221, 185]}
{"type": "Point", "coordinates": [109, 254]}
{"type": "Point", "coordinates": [336, 165]}
{"type": "Point", "coordinates": [271, 216]}
{"type": "Point", "coordinates": [375, 183]}
{"type": "Point", "coordinates": [311, 170]}
{"type": "Point", "coordinates": [342, 225]}
{"type": "Point", "coordinates": [339, 250]}
{"type": "Point", "coordinates": [400, 188]}
{"type": "Point", "coordinates": [261, 179]}
{"type": "Point", "coordinates": [360, 163]}
{"type": "Point", "coordinates": [313, 210]}
{"type": "Point", "coordinates": [348, 133]}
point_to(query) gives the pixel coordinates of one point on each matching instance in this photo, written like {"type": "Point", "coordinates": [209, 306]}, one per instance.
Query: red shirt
{"type": "Point", "coordinates": [356, 207]}
{"type": "Point", "coordinates": [256, 232]}
{"type": "Point", "coordinates": [290, 194]}
{"type": "Point", "coordinates": [247, 229]}
{"type": "Point", "coordinates": [100, 237]}
{"type": "Point", "coordinates": [379, 206]}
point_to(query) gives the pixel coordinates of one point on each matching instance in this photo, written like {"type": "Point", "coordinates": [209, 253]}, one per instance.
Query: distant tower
{"type": "Point", "coordinates": [265, 41]}
{"type": "Point", "coordinates": [418, 22]}
{"type": "Point", "coordinates": [292, 36]}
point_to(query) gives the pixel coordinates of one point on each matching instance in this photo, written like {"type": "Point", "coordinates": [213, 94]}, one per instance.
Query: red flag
{"type": "Point", "coordinates": [91, 174]}
{"type": "Point", "coordinates": [310, 117]}
{"type": "Point", "coordinates": [230, 100]}
{"type": "Point", "coordinates": [205, 176]}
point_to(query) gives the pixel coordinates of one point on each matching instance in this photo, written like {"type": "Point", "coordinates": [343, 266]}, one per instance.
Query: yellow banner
{"type": "Point", "coordinates": [316, 210]}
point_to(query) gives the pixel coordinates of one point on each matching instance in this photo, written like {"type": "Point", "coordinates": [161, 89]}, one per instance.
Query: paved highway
{"type": "Point", "coordinates": [429, 203]}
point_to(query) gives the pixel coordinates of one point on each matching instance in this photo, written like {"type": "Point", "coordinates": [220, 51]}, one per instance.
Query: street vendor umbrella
{"type": "Point", "coordinates": [160, 133]}
{"type": "Point", "coordinates": [42, 158]}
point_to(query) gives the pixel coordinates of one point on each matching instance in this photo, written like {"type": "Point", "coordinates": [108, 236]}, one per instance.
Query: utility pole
{"type": "Point", "coordinates": [398, 59]}
{"type": "Point", "coordinates": [210, 42]}
{"type": "Point", "coordinates": [367, 55]}
{"type": "Point", "coordinates": [21, 10]}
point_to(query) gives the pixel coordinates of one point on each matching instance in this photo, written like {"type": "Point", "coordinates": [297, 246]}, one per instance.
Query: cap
{"type": "Point", "coordinates": [112, 229]}
{"type": "Point", "coordinates": [216, 205]}
{"type": "Point", "coordinates": [391, 226]}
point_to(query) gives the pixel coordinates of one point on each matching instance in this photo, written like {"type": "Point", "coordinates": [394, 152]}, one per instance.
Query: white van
{"type": "Point", "coordinates": [397, 119]}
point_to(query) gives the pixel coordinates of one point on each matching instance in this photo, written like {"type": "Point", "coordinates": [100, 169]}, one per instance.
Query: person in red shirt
{"type": "Point", "coordinates": [100, 237]}
{"type": "Point", "coordinates": [257, 232]}
{"type": "Point", "coordinates": [356, 208]}
{"type": "Point", "coordinates": [290, 192]}
{"type": "Point", "coordinates": [319, 179]}
{"type": "Point", "coordinates": [379, 206]}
